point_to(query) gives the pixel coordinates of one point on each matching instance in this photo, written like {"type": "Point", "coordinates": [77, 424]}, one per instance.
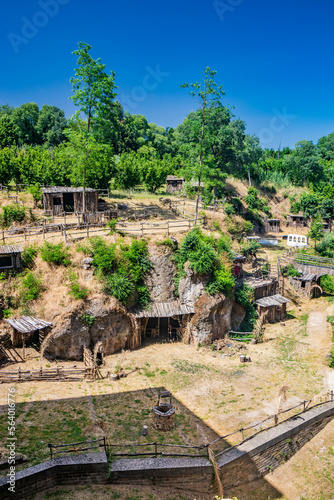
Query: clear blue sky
{"type": "Point", "coordinates": [274, 57]}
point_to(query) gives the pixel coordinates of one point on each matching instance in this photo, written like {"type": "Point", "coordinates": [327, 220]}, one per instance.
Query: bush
{"type": "Point", "coordinates": [325, 246]}
{"type": "Point", "coordinates": [12, 213]}
{"type": "Point", "coordinates": [239, 228]}
{"type": "Point", "coordinates": [119, 286]}
{"type": "Point", "coordinates": [28, 257]}
{"type": "Point", "coordinates": [290, 270]}
{"type": "Point", "coordinates": [88, 319]}
{"type": "Point", "coordinates": [55, 254]}
{"type": "Point", "coordinates": [104, 255]}
{"type": "Point", "coordinates": [167, 243]}
{"type": "Point", "coordinates": [31, 287]}
{"type": "Point", "coordinates": [112, 226]}
{"type": "Point", "coordinates": [327, 283]}
{"type": "Point", "coordinates": [244, 296]}
{"type": "Point", "coordinates": [250, 248]}
{"type": "Point", "coordinates": [143, 295]}
{"type": "Point", "coordinates": [77, 291]}
{"type": "Point", "coordinates": [229, 209]}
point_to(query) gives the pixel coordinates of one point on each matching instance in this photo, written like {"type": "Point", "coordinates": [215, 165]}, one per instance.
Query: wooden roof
{"type": "Point", "coordinates": [66, 189]}
{"type": "Point", "coordinates": [274, 300]}
{"type": "Point", "coordinates": [8, 249]}
{"type": "Point", "coordinates": [306, 277]}
{"type": "Point", "coordinates": [165, 310]}
{"type": "Point", "coordinates": [27, 324]}
{"type": "Point", "coordinates": [238, 257]}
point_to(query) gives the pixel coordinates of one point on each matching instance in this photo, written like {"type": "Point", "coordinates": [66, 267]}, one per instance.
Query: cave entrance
{"type": "Point", "coordinates": [164, 329]}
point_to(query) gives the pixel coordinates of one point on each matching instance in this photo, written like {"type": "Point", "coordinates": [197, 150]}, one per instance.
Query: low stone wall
{"type": "Point", "coordinates": [81, 469]}
{"type": "Point", "coordinates": [250, 461]}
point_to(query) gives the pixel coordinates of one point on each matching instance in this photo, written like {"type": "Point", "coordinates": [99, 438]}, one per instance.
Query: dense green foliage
{"type": "Point", "coordinates": [55, 254]}
{"type": "Point", "coordinates": [122, 268]}
{"type": "Point", "coordinates": [77, 291]}
{"type": "Point", "coordinates": [206, 256]}
{"type": "Point", "coordinates": [244, 296]}
{"type": "Point", "coordinates": [330, 320]}
{"type": "Point", "coordinates": [12, 213]}
{"type": "Point", "coordinates": [28, 257]}
{"type": "Point", "coordinates": [31, 287]}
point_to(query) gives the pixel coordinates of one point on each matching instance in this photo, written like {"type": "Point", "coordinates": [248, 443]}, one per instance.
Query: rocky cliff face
{"type": "Point", "coordinates": [113, 326]}
{"type": "Point", "coordinates": [160, 282]}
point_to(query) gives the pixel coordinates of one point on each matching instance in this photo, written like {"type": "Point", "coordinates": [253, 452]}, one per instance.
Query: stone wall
{"type": "Point", "coordinates": [246, 463]}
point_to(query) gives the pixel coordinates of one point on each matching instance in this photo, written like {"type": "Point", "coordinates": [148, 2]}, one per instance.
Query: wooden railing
{"type": "Point", "coordinates": [53, 374]}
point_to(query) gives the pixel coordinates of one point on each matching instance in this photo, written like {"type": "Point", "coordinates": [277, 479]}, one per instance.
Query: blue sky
{"type": "Point", "coordinates": [274, 58]}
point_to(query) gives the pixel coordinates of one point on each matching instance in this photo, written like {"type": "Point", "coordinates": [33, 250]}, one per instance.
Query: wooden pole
{"type": "Point", "coordinates": [65, 236]}
{"type": "Point", "coordinates": [142, 229]}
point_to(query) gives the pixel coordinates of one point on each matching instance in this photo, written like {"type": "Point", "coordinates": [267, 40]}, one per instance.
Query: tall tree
{"type": "Point", "coordinates": [50, 125]}
{"type": "Point", "coordinates": [93, 93]}
{"type": "Point", "coordinates": [26, 117]}
{"type": "Point", "coordinates": [202, 166]}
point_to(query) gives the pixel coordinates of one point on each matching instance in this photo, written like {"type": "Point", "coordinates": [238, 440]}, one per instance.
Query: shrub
{"type": "Point", "coordinates": [326, 245]}
{"type": "Point", "coordinates": [55, 254]}
{"type": "Point", "coordinates": [239, 228]}
{"type": "Point", "coordinates": [237, 204]}
{"type": "Point", "coordinates": [77, 291]}
{"type": "Point", "coordinates": [12, 213]}
{"type": "Point", "coordinates": [250, 249]}
{"type": "Point", "coordinates": [143, 295]}
{"type": "Point", "coordinates": [119, 286]}
{"type": "Point", "coordinates": [229, 209]}
{"type": "Point", "coordinates": [290, 270]}
{"type": "Point", "coordinates": [31, 287]}
{"type": "Point", "coordinates": [104, 255]}
{"type": "Point", "coordinates": [244, 297]}
{"type": "Point", "coordinates": [167, 243]}
{"type": "Point", "coordinates": [28, 257]}
{"type": "Point", "coordinates": [327, 283]}
{"type": "Point", "coordinates": [112, 226]}
{"type": "Point", "coordinates": [88, 319]}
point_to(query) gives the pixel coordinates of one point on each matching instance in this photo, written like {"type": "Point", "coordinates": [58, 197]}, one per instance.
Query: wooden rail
{"type": "Point", "coordinates": [52, 374]}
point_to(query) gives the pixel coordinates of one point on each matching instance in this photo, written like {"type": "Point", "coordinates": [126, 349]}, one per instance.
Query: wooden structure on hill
{"type": "Point", "coordinates": [307, 284]}
{"type": "Point", "coordinates": [27, 329]}
{"type": "Point", "coordinates": [174, 183]}
{"type": "Point", "coordinates": [69, 199]}
{"type": "Point", "coordinates": [273, 308]}
{"type": "Point", "coordinates": [297, 220]}
{"type": "Point", "coordinates": [272, 225]}
{"type": "Point", "coordinates": [10, 257]}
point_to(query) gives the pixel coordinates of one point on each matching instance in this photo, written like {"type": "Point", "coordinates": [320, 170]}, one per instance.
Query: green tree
{"type": "Point", "coordinates": [8, 131]}
{"type": "Point", "coordinates": [26, 118]}
{"type": "Point", "coordinates": [200, 164]}
{"type": "Point", "coordinates": [50, 125]}
{"type": "Point", "coordinates": [93, 93]}
{"type": "Point", "coordinates": [316, 231]}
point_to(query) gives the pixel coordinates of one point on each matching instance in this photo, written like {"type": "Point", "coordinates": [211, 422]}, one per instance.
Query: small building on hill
{"type": "Point", "coordinates": [10, 257]}
{"type": "Point", "coordinates": [69, 199]}
{"type": "Point", "coordinates": [273, 307]}
{"type": "Point", "coordinates": [174, 184]}
{"type": "Point", "coordinates": [297, 220]}
{"type": "Point", "coordinates": [272, 225]}
{"type": "Point", "coordinates": [27, 329]}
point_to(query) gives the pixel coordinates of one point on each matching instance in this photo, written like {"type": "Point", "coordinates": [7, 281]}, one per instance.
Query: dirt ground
{"type": "Point", "coordinates": [213, 393]}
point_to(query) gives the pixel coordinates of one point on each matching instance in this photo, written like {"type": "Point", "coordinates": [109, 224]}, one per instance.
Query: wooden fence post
{"type": "Point", "coordinates": [65, 236]}
{"type": "Point", "coordinates": [87, 230]}
{"type": "Point", "coordinates": [167, 228]}
{"type": "Point", "coordinates": [142, 230]}
{"type": "Point", "coordinates": [3, 236]}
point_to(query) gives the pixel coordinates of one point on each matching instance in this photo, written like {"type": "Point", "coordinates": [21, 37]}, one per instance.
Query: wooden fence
{"type": "Point", "coordinates": [200, 451]}
{"type": "Point", "coordinates": [85, 230]}
{"type": "Point", "coordinates": [52, 374]}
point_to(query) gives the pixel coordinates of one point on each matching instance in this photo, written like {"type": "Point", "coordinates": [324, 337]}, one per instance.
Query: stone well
{"type": "Point", "coordinates": [163, 413]}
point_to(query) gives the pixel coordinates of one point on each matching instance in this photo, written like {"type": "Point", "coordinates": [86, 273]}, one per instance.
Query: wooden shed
{"type": "Point", "coordinates": [10, 257]}
{"type": "Point", "coordinates": [163, 319]}
{"type": "Point", "coordinates": [307, 284]}
{"type": "Point", "coordinates": [297, 220]}
{"type": "Point", "coordinates": [272, 225]}
{"type": "Point", "coordinates": [274, 308]}
{"type": "Point", "coordinates": [174, 183]}
{"type": "Point", "coordinates": [69, 199]}
{"type": "Point", "coordinates": [27, 329]}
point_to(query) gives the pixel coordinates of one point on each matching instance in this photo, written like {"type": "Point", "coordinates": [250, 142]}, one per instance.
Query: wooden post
{"type": "Point", "coordinates": [87, 230]}
{"type": "Point", "coordinates": [155, 450]}
{"type": "Point", "coordinates": [65, 218]}
{"type": "Point", "coordinates": [189, 225]}
{"type": "Point", "coordinates": [167, 228]}
{"type": "Point", "coordinates": [23, 345]}
{"type": "Point", "coordinates": [142, 230]}
{"type": "Point", "coordinates": [3, 236]}
{"type": "Point", "coordinates": [65, 236]}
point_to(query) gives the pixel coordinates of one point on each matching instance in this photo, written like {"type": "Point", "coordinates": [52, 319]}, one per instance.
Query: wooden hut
{"type": "Point", "coordinates": [297, 220]}
{"type": "Point", "coordinates": [69, 199]}
{"type": "Point", "coordinates": [174, 183]}
{"type": "Point", "coordinates": [307, 284]}
{"type": "Point", "coordinates": [273, 307]}
{"type": "Point", "coordinates": [10, 257]}
{"type": "Point", "coordinates": [162, 320]}
{"type": "Point", "coordinates": [27, 329]}
{"type": "Point", "coordinates": [272, 225]}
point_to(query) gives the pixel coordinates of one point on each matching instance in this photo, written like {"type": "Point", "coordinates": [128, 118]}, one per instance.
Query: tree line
{"type": "Point", "coordinates": [102, 143]}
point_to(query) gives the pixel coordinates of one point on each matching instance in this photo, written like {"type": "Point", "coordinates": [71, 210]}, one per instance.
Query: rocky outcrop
{"type": "Point", "coordinates": [214, 317]}
{"type": "Point", "coordinates": [160, 281]}
{"type": "Point", "coordinates": [113, 326]}
{"type": "Point", "coordinates": [191, 287]}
